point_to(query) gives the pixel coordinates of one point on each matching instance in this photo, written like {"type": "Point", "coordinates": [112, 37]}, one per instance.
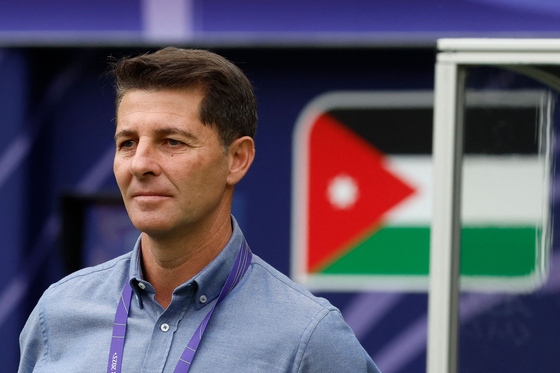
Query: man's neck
{"type": "Point", "coordinates": [170, 262]}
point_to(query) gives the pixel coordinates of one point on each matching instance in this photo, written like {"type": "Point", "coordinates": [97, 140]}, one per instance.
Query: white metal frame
{"type": "Point", "coordinates": [456, 55]}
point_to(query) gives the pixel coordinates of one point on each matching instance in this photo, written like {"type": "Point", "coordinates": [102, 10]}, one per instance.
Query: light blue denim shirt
{"type": "Point", "coordinates": [266, 324]}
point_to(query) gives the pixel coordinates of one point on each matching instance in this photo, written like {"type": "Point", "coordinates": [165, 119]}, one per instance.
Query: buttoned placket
{"type": "Point", "coordinates": [171, 329]}
{"type": "Point", "coordinates": [190, 305]}
{"type": "Point", "coordinates": [166, 323]}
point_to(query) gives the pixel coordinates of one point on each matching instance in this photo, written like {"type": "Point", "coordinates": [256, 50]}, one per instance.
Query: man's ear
{"type": "Point", "coordinates": [241, 153]}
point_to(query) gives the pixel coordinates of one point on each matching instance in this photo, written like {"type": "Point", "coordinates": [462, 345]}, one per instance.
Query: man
{"type": "Point", "coordinates": [190, 294]}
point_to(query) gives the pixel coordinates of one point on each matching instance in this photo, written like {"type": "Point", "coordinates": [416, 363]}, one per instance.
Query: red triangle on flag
{"type": "Point", "coordinates": [350, 190]}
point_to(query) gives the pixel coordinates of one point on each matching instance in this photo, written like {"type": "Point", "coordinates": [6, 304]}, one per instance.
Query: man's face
{"type": "Point", "coordinates": [171, 169]}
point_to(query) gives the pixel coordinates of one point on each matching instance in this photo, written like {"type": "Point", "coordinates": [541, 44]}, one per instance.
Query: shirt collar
{"type": "Point", "coordinates": [209, 281]}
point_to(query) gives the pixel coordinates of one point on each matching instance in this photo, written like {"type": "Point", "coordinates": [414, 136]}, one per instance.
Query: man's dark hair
{"type": "Point", "coordinates": [229, 104]}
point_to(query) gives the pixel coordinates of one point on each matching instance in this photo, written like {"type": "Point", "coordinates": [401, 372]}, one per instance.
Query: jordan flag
{"type": "Point", "coordinates": [362, 193]}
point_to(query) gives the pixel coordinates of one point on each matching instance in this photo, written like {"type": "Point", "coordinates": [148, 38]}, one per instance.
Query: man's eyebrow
{"type": "Point", "coordinates": [174, 131]}
{"type": "Point", "coordinates": [124, 133]}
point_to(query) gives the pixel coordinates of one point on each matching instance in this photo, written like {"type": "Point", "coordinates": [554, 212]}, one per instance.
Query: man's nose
{"type": "Point", "coordinates": [144, 161]}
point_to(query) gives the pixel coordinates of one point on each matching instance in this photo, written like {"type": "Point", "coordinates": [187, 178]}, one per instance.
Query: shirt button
{"type": "Point", "coordinates": [141, 286]}
{"type": "Point", "coordinates": [164, 327]}
{"type": "Point", "coordinates": [203, 299]}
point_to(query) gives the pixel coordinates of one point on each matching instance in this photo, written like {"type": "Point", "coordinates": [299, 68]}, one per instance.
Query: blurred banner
{"type": "Point", "coordinates": [363, 194]}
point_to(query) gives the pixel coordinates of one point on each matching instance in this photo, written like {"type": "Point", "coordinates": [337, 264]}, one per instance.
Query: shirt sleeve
{"type": "Point", "coordinates": [332, 347]}
{"type": "Point", "coordinates": [31, 342]}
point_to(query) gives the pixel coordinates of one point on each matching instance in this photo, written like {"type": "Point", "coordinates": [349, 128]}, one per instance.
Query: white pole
{"type": "Point", "coordinates": [443, 305]}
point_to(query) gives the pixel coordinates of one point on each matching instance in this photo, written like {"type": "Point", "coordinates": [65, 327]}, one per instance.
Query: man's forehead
{"type": "Point", "coordinates": [166, 96]}
{"type": "Point", "coordinates": [137, 105]}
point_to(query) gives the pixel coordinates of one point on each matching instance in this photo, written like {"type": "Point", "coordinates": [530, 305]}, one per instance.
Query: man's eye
{"type": "Point", "coordinates": [173, 142]}
{"type": "Point", "coordinates": [127, 144]}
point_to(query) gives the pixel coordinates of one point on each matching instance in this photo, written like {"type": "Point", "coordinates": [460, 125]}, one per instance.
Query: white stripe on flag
{"type": "Point", "coordinates": [496, 190]}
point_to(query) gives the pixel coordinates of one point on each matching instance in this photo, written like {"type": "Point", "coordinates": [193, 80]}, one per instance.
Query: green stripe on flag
{"type": "Point", "coordinates": [485, 251]}
{"type": "Point", "coordinates": [389, 251]}
{"type": "Point", "coordinates": [499, 251]}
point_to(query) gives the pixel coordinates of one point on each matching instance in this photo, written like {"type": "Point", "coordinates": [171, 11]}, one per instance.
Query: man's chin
{"type": "Point", "coordinates": [153, 228]}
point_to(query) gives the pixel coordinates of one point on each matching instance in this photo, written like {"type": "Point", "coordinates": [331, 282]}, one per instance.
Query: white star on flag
{"type": "Point", "coordinates": [342, 192]}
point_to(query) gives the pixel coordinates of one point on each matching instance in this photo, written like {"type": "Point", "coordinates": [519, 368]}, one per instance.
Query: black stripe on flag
{"type": "Point", "coordinates": [491, 131]}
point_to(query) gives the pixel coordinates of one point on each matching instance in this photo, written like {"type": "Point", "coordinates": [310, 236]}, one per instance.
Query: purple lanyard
{"type": "Point", "coordinates": [121, 317]}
